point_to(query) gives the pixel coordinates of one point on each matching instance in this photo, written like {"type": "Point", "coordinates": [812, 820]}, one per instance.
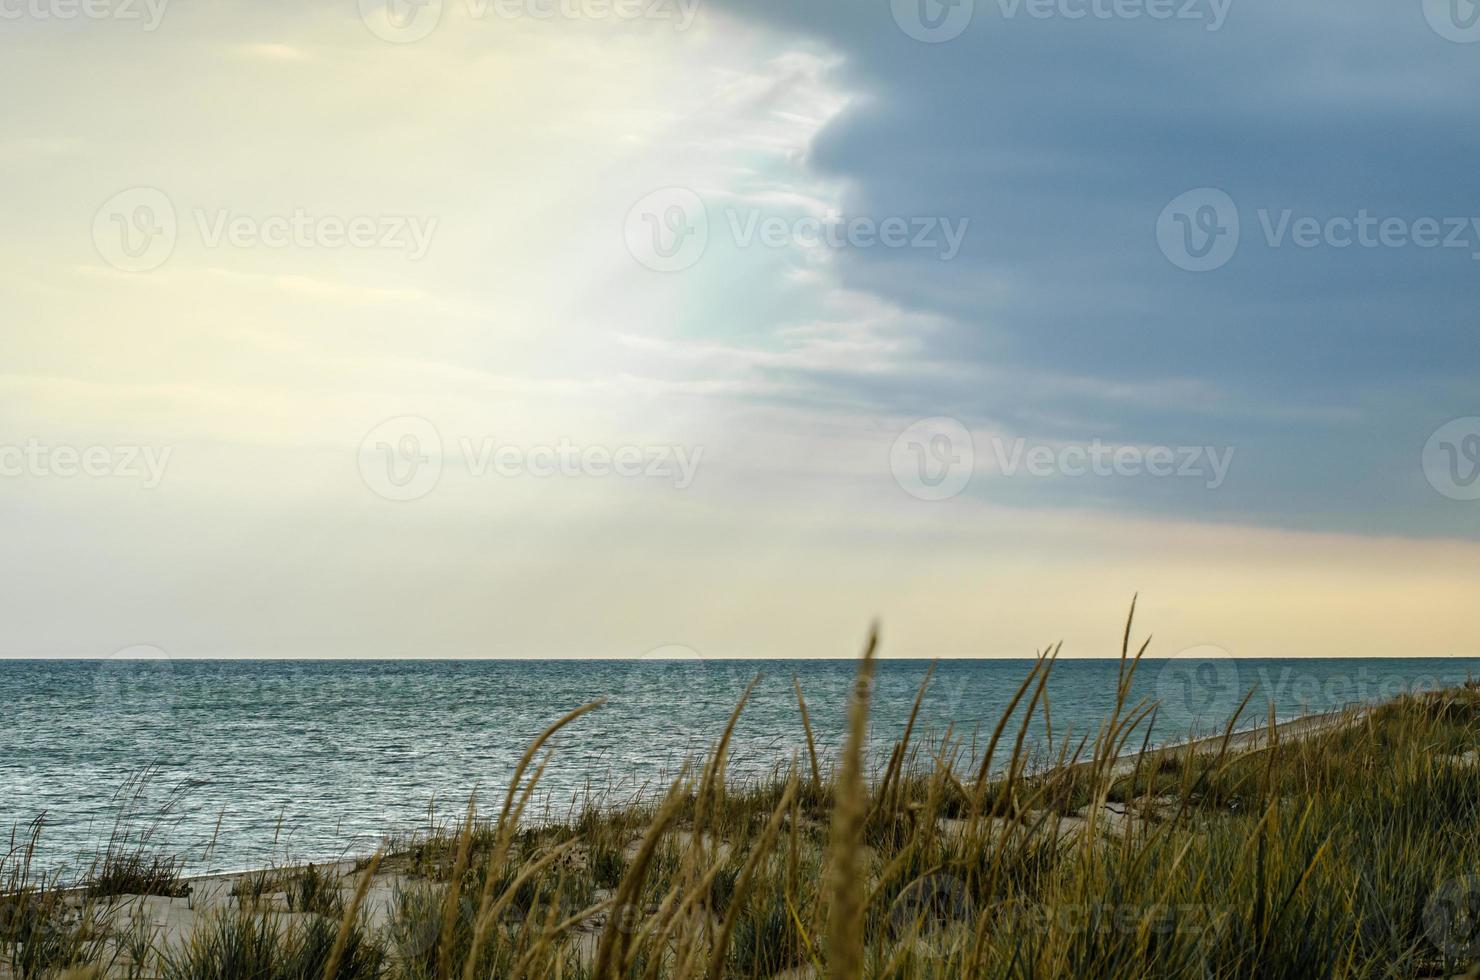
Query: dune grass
{"type": "Point", "coordinates": [1347, 852]}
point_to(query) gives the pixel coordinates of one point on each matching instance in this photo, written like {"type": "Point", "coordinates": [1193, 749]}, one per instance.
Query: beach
{"type": "Point", "coordinates": [697, 877]}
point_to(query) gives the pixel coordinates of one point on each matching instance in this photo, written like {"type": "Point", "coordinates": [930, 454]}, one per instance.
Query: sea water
{"type": "Point", "coordinates": [260, 762]}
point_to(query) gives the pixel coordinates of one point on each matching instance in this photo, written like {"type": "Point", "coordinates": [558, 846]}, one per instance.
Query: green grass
{"type": "Point", "coordinates": [1342, 854]}
{"type": "Point", "coordinates": [236, 943]}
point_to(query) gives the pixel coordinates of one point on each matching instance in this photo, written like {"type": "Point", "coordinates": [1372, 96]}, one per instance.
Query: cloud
{"type": "Point", "coordinates": [1062, 141]}
{"type": "Point", "coordinates": [795, 366]}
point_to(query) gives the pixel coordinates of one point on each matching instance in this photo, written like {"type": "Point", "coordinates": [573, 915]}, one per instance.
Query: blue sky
{"type": "Point", "coordinates": [575, 328]}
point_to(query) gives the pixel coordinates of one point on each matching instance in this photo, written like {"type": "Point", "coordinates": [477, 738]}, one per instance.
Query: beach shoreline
{"type": "Point", "coordinates": [1203, 786]}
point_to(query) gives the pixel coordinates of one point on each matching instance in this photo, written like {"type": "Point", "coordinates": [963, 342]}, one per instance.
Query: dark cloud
{"type": "Point", "coordinates": [1062, 141]}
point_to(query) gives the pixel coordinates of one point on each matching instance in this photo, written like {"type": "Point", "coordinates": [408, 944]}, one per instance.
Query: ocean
{"type": "Point", "coordinates": [260, 762]}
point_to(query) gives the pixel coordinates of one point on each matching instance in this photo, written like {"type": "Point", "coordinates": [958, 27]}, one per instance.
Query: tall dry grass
{"type": "Point", "coordinates": [1346, 853]}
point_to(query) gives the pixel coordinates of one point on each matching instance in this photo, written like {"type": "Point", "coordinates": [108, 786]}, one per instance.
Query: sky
{"type": "Point", "coordinates": [605, 328]}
